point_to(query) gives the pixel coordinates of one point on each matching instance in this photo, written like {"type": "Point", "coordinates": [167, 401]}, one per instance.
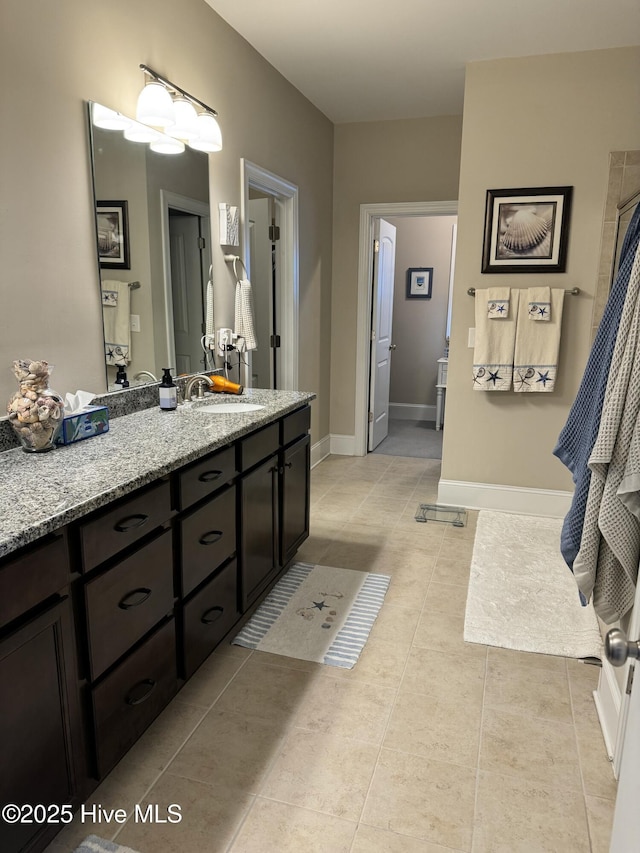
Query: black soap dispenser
{"type": "Point", "coordinates": [121, 378]}
{"type": "Point", "coordinates": [168, 391]}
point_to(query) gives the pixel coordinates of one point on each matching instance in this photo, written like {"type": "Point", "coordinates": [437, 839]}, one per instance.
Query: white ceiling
{"type": "Point", "coordinates": [370, 60]}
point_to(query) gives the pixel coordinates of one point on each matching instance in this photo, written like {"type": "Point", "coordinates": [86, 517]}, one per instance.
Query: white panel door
{"type": "Point", "coordinates": [186, 290]}
{"type": "Point", "coordinates": [625, 837]}
{"type": "Point", "coordinates": [381, 326]}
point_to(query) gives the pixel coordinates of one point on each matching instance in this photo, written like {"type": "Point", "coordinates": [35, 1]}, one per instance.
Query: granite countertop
{"type": "Point", "coordinates": [44, 491]}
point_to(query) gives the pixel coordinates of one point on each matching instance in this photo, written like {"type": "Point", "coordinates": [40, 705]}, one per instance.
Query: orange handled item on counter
{"type": "Point", "coordinates": [222, 384]}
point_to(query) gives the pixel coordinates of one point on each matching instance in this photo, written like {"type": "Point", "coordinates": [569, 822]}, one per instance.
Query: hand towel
{"type": "Point", "coordinates": [498, 302]}
{"type": "Point", "coordinates": [539, 303]}
{"type": "Point", "coordinates": [607, 562]}
{"type": "Point", "coordinates": [209, 325]}
{"type": "Point", "coordinates": [494, 347]}
{"type": "Point", "coordinates": [578, 435]}
{"type": "Point", "coordinates": [244, 314]}
{"type": "Point", "coordinates": [537, 345]}
{"type": "Point", "coordinates": [115, 315]}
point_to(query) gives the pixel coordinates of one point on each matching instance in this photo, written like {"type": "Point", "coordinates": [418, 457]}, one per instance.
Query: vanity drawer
{"type": "Point", "coordinates": [123, 524]}
{"type": "Point", "coordinates": [294, 425]}
{"type": "Point", "coordinates": [132, 696]}
{"type": "Point", "coordinates": [32, 575]}
{"type": "Point", "coordinates": [209, 615]}
{"type": "Point", "coordinates": [203, 478]}
{"type": "Point", "coordinates": [126, 602]}
{"type": "Point", "coordinates": [258, 446]}
{"type": "Point", "coordinates": [208, 538]}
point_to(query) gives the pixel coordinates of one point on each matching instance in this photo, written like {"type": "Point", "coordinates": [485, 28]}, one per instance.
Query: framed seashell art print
{"type": "Point", "coordinates": [526, 230]}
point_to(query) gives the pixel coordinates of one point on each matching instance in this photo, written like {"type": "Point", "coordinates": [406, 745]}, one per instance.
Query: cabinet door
{"type": "Point", "coordinates": [259, 529]}
{"type": "Point", "coordinates": [294, 496]}
{"type": "Point", "coordinates": [39, 723]}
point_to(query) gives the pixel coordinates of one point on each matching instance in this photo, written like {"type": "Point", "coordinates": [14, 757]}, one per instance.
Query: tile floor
{"type": "Point", "coordinates": [428, 745]}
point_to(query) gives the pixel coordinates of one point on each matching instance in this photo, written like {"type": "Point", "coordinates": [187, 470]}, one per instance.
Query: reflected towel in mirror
{"type": "Point", "coordinates": [115, 315]}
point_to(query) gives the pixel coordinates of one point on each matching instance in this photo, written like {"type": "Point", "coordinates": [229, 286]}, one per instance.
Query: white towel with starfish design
{"type": "Point", "coordinates": [535, 365]}
{"type": "Point", "coordinates": [494, 344]}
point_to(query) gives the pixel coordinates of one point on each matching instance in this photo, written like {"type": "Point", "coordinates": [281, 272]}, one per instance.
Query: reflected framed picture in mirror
{"type": "Point", "coordinates": [113, 234]}
{"type": "Point", "coordinates": [419, 281]}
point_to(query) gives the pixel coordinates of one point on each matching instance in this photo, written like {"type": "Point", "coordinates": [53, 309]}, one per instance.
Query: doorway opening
{"type": "Point", "coordinates": [186, 253]}
{"type": "Point", "coordinates": [420, 400]}
{"type": "Point", "coordinates": [270, 255]}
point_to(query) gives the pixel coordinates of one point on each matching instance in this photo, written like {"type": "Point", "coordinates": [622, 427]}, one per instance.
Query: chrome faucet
{"type": "Point", "coordinates": [200, 380]}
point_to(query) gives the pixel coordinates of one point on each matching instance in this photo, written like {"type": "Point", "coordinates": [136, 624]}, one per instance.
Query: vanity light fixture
{"type": "Point", "coordinates": [141, 133]}
{"type": "Point", "coordinates": [109, 119]}
{"type": "Point", "coordinates": [179, 115]}
{"type": "Point", "coordinates": [166, 144]}
{"type": "Point", "coordinates": [209, 137]}
{"type": "Point", "coordinates": [155, 106]}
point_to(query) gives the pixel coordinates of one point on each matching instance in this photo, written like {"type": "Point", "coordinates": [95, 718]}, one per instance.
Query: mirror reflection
{"type": "Point", "coordinates": [153, 232]}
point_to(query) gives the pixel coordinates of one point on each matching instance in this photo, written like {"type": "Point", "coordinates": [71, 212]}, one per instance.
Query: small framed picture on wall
{"type": "Point", "coordinates": [419, 282]}
{"type": "Point", "coordinates": [113, 234]}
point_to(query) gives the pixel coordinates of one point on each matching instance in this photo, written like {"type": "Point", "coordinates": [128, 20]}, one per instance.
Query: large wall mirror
{"type": "Point", "coordinates": [154, 252]}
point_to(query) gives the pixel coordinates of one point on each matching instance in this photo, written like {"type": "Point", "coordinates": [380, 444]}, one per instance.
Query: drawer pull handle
{"type": "Point", "coordinates": [206, 619]}
{"type": "Point", "coordinates": [131, 522]}
{"type": "Point", "coordinates": [141, 691]}
{"type": "Point", "coordinates": [211, 537]}
{"type": "Point", "coordinates": [143, 594]}
{"type": "Point", "coordinates": [209, 476]}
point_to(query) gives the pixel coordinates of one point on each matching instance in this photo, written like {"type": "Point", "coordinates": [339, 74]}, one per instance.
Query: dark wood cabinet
{"type": "Point", "coordinates": [259, 530]}
{"type": "Point", "coordinates": [128, 600]}
{"type": "Point", "coordinates": [103, 620]}
{"type": "Point", "coordinates": [40, 735]}
{"type": "Point", "coordinates": [274, 504]}
{"type": "Point", "coordinates": [209, 615]}
{"type": "Point", "coordinates": [127, 701]}
{"type": "Point", "coordinates": [294, 497]}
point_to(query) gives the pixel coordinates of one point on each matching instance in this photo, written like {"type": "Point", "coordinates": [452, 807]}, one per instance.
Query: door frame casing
{"type": "Point", "coordinates": [368, 214]}
{"type": "Point", "coordinates": [288, 284]}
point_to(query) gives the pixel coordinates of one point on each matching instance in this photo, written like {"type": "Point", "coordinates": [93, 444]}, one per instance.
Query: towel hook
{"type": "Point", "coordinates": [234, 260]}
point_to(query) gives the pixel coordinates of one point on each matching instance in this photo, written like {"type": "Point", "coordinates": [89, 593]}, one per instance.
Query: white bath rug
{"type": "Point", "coordinates": [521, 593]}
{"type": "Point", "coordinates": [318, 613]}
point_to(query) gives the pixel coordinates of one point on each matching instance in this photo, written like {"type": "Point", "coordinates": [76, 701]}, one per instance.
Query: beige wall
{"type": "Point", "coordinates": [375, 162]}
{"type": "Point", "coordinates": [536, 121]}
{"type": "Point", "coordinates": [419, 325]}
{"type": "Point", "coordinates": [59, 55]}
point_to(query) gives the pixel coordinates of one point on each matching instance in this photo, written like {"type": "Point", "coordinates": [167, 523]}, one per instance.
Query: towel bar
{"type": "Point", "coordinates": [134, 285]}
{"type": "Point", "coordinates": [574, 291]}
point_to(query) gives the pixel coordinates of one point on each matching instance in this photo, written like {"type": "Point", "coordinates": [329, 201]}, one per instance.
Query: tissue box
{"type": "Point", "coordinates": [93, 420]}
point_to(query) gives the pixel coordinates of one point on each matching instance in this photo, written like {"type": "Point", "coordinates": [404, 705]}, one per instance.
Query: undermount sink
{"type": "Point", "coordinates": [228, 408]}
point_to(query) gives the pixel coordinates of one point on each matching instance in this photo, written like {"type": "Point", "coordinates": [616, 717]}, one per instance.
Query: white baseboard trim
{"type": "Point", "coordinates": [320, 450]}
{"type": "Point", "coordinates": [412, 412]}
{"type": "Point", "coordinates": [543, 502]}
{"type": "Point", "coordinates": [608, 700]}
{"type": "Point", "coordinates": [343, 445]}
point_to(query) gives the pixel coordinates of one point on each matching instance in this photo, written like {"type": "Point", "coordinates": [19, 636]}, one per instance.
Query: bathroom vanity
{"type": "Point", "coordinates": [124, 561]}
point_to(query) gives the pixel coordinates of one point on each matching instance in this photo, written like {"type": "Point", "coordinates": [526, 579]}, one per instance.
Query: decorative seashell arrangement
{"type": "Point", "coordinates": [525, 231]}
{"type": "Point", "coordinates": [35, 412]}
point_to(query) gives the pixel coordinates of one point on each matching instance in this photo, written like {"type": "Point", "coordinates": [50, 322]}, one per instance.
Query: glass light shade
{"type": "Point", "coordinates": [165, 144]}
{"type": "Point", "coordinates": [155, 106]}
{"type": "Point", "coordinates": [186, 117]}
{"type": "Point", "coordinates": [141, 133]}
{"type": "Point", "coordinates": [108, 119]}
{"type": "Point", "coordinates": [209, 134]}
